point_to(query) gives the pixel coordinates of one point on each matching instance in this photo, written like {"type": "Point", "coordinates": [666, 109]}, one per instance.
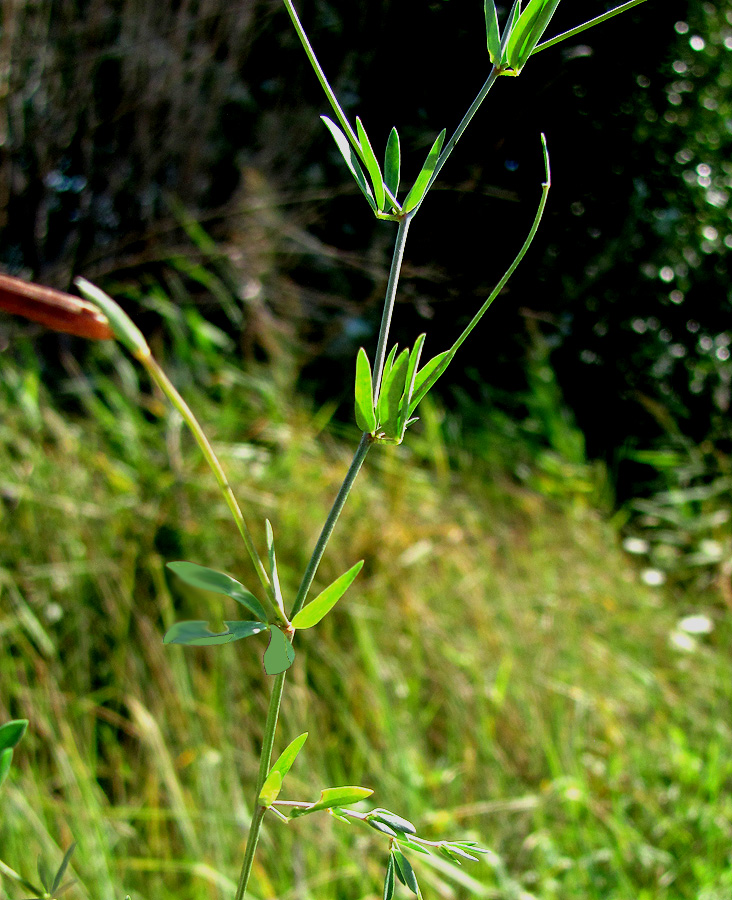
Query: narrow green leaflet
{"type": "Point", "coordinates": [279, 655]}
{"type": "Point", "coordinates": [393, 821]}
{"type": "Point", "coordinates": [125, 330]}
{"type": "Point", "coordinates": [333, 797]}
{"type": "Point", "coordinates": [62, 869]}
{"type": "Point", "coordinates": [198, 634]}
{"type": "Point", "coordinates": [364, 394]}
{"type": "Point", "coordinates": [273, 566]}
{"type": "Point", "coordinates": [288, 755]}
{"type": "Point", "coordinates": [427, 376]}
{"type": "Point", "coordinates": [528, 32]}
{"type": "Point", "coordinates": [414, 197]}
{"type": "Point", "coordinates": [11, 733]}
{"type": "Point", "coordinates": [372, 165]}
{"type": "Point", "coordinates": [351, 159]}
{"type": "Point", "coordinates": [492, 32]}
{"type": "Point", "coordinates": [408, 844]}
{"type": "Point", "coordinates": [270, 789]}
{"type": "Point", "coordinates": [379, 826]}
{"type": "Point", "coordinates": [406, 400]}
{"type": "Point", "coordinates": [6, 758]}
{"type": "Point", "coordinates": [218, 583]}
{"type": "Point", "coordinates": [511, 21]}
{"type": "Point", "coordinates": [389, 880]}
{"type": "Point", "coordinates": [392, 162]}
{"type": "Point", "coordinates": [390, 395]}
{"type": "Point", "coordinates": [325, 601]}
{"type": "Point", "coordinates": [405, 872]}
{"type": "Point", "coordinates": [389, 362]}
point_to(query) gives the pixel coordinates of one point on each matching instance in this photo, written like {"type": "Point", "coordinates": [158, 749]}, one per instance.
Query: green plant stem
{"type": "Point", "coordinates": [464, 122]}
{"type": "Point", "coordinates": [585, 25]}
{"type": "Point", "coordinates": [161, 379]}
{"type": "Point", "coordinates": [391, 289]}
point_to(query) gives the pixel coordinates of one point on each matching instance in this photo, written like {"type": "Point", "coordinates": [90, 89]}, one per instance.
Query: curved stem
{"type": "Point", "coordinates": [161, 379]}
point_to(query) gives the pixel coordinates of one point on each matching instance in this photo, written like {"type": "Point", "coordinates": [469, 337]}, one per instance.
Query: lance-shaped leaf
{"type": "Point", "coordinates": [364, 394]}
{"type": "Point", "coordinates": [6, 758]}
{"type": "Point", "coordinates": [528, 32]}
{"type": "Point", "coordinates": [198, 634]}
{"type": "Point", "coordinates": [125, 330]}
{"type": "Point", "coordinates": [270, 789]}
{"type": "Point", "coordinates": [273, 566]}
{"type": "Point", "coordinates": [372, 164]}
{"type": "Point", "coordinates": [62, 869]}
{"type": "Point", "coordinates": [392, 162]}
{"type": "Point", "coordinates": [427, 376]}
{"type": "Point", "coordinates": [351, 160]}
{"type": "Point", "coordinates": [218, 583]}
{"type": "Point", "coordinates": [325, 601]}
{"type": "Point", "coordinates": [380, 827]}
{"type": "Point", "coordinates": [389, 362]}
{"type": "Point", "coordinates": [393, 821]}
{"type": "Point", "coordinates": [414, 197]}
{"type": "Point", "coordinates": [408, 844]}
{"type": "Point", "coordinates": [404, 871]}
{"type": "Point", "coordinates": [511, 21]}
{"type": "Point", "coordinates": [412, 368]}
{"type": "Point", "coordinates": [279, 655]}
{"type": "Point", "coordinates": [389, 880]}
{"type": "Point", "coordinates": [390, 395]}
{"type": "Point", "coordinates": [12, 732]}
{"type": "Point", "coordinates": [331, 797]}
{"type": "Point", "coordinates": [288, 755]}
{"type": "Point", "coordinates": [492, 32]}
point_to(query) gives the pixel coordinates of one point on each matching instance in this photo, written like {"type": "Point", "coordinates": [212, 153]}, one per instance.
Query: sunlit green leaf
{"type": "Point", "coordinates": [492, 32]}
{"type": "Point", "coordinates": [336, 796]}
{"type": "Point", "coordinates": [528, 31]}
{"type": "Point", "coordinates": [288, 755]}
{"type": "Point", "coordinates": [218, 583]}
{"type": "Point", "coordinates": [351, 160]}
{"type": "Point", "coordinates": [6, 758]}
{"type": "Point", "coordinates": [405, 842]}
{"type": "Point", "coordinates": [279, 655]}
{"type": "Point", "coordinates": [364, 394]}
{"type": "Point", "coordinates": [12, 732]}
{"type": "Point", "coordinates": [412, 369]}
{"type": "Point", "coordinates": [271, 788]}
{"type": "Point", "coordinates": [404, 871]}
{"type": "Point", "coordinates": [273, 565]}
{"type": "Point", "coordinates": [415, 196]}
{"type": "Point", "coordinates": [372, 165]}
{"type": "Point", "coordinates": [315, 610]}
{"type": "Point", "coordinates": [379, 826]}
{"type": "Point", "coordinates": [389, 362]}
{"type": "Point", "coordinates": [198, 634]}
{"type": "Point", "coordinates": [511, 21]}
{"type": "Point", "coordinates": [392, 389]}
{"type": "Point", "coordinates": [427, 376]}
{"type": "Point", "coordinates": [392, 162]}
{"type": "Point", "coordinates": [389, 880]}
{"type": "Point", "coordinates": [393, 820]}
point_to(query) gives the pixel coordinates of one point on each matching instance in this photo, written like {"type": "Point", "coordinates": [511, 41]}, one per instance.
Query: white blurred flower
{"type": "Point", "coordinates": [698, 624]}
{"type": "Point", "coordinates": [682, 641]}
{"type": "Point", "coordinates": [636, 545]}
{"type": "Point", "coordinates": [653, 577]}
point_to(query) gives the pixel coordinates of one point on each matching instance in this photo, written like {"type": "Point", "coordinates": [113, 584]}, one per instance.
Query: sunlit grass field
{"type": "Point", "coordinates": [498, 672]}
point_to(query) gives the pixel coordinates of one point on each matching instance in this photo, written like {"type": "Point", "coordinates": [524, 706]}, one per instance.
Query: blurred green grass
{"type": "Point", "coordinates": [498, 672]}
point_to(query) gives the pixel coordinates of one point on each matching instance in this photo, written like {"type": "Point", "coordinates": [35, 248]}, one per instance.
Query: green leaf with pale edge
{"type": "Point", "coordinates": [427, 376]}
{"type": "Point", "coordinates": [393, 821]}
{"type": "Point", "coordinates": [528, 32]}
{"type": "Point", "coordinates": [218, 583]}
{"type": "Point", "coordinates": [412, 845]}
{"type": "Point", "coordinates": [389, 362]}
{"type": "Point", "coordinates": [406, 400]}
{"type": "Point", "coordinates": [351, 160]}
{"type": "Point", "coordinates": [125, 330]}
{"type": "Point", "coordinates": [492, 32]}
{"type": "Point", "coordinates": [62, 869]}
{"type": "Point", "coordinates": [315, 610]}
{"type": "Point", "coordinates": [273, 565]}
{"type": "Point", "coordinates": [198, 634]}
{"type": "Point", "coordinates": [393, 162]}
{"type": "Point", "coordinates": [405, 872]}
{"type": "Point", "coordinates": [389, 880]}
{"type": "Point", "coordinates": [380, 827]}
{"type": "Point", "coordinates": [392, 389]}
{"type": "Point", "coordinates": [279, 655]}
{"type": "Point", "coordinates": [288, 755]}
{"type": "Point", "coordinates": [330, 797]}
{"type": "Point", "coordinates": [463, 854]}
{"type": "Point", "coordinates": [271, 788]}
{"type": "Point", "coordinates": [6, 758]}
{"type": "Point", "coordinates": [414, 197]}
{"type": "Point", "coordinates": [11, 733]}
{"type": "Point", "coordinates": [372, 165]}
{"type": "Point", "coordinates": [364, 394]}
{"type": "Point", "coordinates": [511, 21]}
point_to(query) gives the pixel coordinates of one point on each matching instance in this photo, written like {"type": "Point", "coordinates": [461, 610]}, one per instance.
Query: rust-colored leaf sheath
{"type": "Point", "coordinates": [54, 309]}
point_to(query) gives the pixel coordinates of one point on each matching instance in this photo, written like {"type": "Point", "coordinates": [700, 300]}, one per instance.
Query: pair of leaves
{"type": "Point", "coordinates": [50, 887]}
{"type": "Point", "coordinates": [390, 417]}
{"type": "Point", "coordinates": [10, 735]}
{"type": "Point", "coordinates": [528, 31]}
{"type": "Point", "coordinates": [400, 866]}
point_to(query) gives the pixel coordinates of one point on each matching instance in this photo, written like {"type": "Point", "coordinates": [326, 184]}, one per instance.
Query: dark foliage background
{"type": "Point", "coordinates": [124, 124]}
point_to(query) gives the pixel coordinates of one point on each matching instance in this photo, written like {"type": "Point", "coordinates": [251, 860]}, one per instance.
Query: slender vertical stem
{"type": "Point", "coordinates": [391, 288]}
{"type": "Point", "coordinates": [162, 380]}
